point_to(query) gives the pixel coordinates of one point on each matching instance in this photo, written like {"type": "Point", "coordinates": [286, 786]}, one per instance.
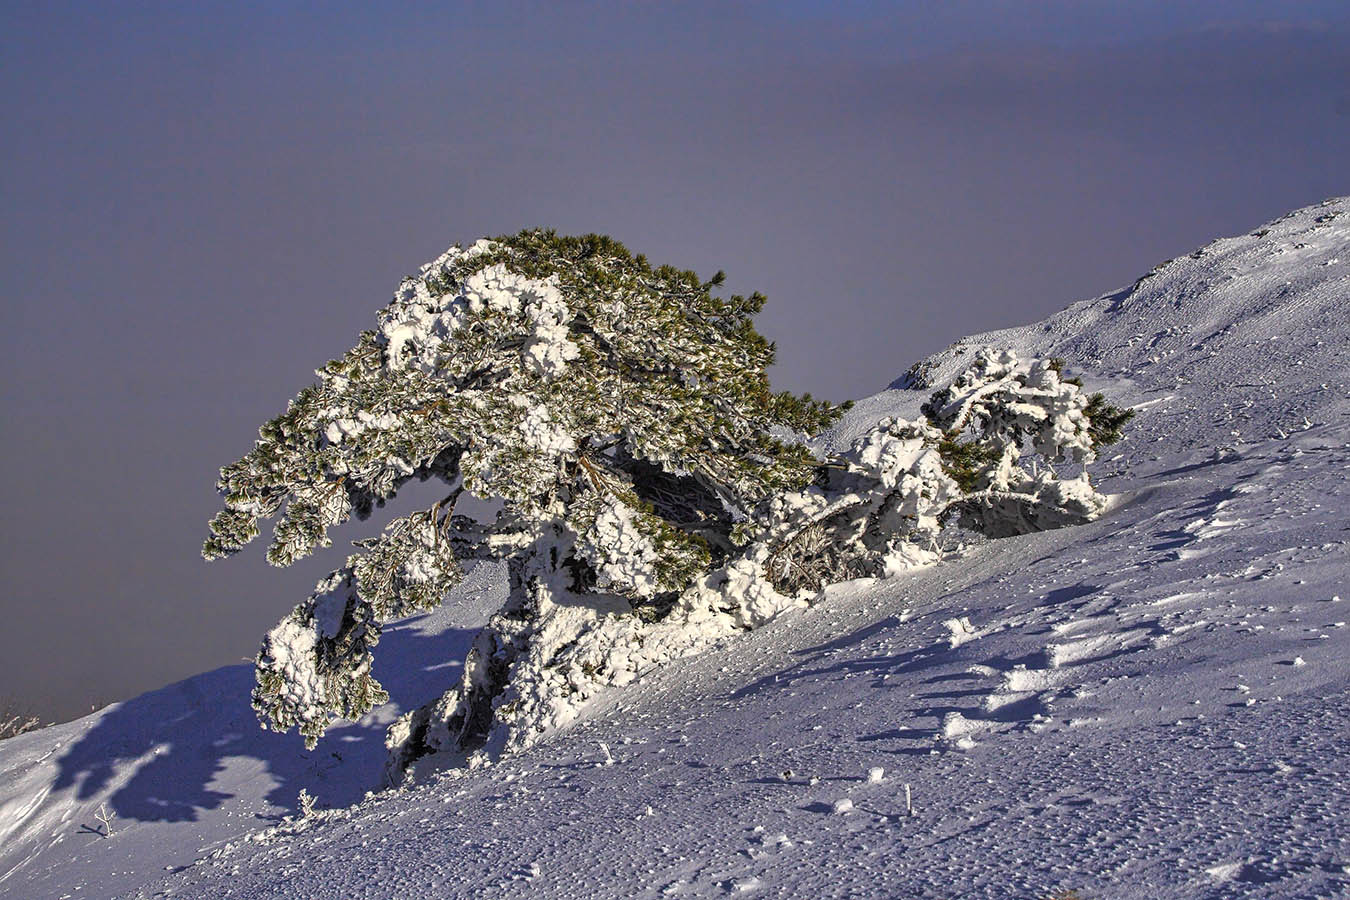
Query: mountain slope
{"type": "Point", "coordinates": [1152, 705]}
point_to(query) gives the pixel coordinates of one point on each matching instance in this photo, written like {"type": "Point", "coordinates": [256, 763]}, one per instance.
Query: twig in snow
{"type": "Point", "coordinates": [105, 816]}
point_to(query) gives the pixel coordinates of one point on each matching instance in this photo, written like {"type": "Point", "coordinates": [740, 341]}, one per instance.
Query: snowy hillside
{"type": "Point", "coordinates": [1152, 705]}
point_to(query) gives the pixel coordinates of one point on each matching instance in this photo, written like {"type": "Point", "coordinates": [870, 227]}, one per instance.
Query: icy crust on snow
{"type": "Point", "coordinates": [417, 325]}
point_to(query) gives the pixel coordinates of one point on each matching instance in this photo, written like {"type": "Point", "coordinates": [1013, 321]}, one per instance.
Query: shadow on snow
{"type": "Point", "coordinates": [176, 741]}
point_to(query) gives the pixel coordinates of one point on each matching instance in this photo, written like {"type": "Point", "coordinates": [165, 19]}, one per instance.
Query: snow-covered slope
{"type": "Point", "coordinates": [186, 766]}
{"type": "Point", "coordinates": [1153, 705]}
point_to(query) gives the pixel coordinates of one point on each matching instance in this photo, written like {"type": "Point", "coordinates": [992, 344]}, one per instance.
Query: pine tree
{"type": "Point", "coordinates": [655, 495]}
{"type": "Point", "coordinates": [985, 456]}
{"type": "Point", "coordinates": [1010, 426]}
{"type": "Point", "coordinates": [619, 412]}
{"type": "Point", "coordinates": [989, 454]}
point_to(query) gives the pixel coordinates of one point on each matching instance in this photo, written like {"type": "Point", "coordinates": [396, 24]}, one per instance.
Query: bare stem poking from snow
{"type": "Point", "coordinates": [105, 816]}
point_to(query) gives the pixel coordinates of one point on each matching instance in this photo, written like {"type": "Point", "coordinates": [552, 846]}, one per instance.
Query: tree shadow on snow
{"type": "Point", "coordinates": [177, 742]}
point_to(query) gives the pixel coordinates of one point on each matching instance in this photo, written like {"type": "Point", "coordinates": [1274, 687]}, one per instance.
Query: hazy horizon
{"type": "Point", "coordinates": [207, 202]}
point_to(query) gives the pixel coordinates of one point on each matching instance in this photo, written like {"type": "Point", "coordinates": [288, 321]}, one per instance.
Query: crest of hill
{"type": "Point", "coordinates": [1230, 322]}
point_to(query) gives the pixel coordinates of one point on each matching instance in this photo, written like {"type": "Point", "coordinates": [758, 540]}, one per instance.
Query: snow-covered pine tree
{"type": "Point", "coordinates": [1007, 424]}
{"type": "Point", "coordinates": [619, 412]}
{"type": "Point", "coordinates": [989, 453]}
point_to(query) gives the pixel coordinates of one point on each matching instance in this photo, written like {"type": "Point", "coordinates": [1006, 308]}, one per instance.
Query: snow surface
{"type": "Point", "coordinates": [1150, 705]}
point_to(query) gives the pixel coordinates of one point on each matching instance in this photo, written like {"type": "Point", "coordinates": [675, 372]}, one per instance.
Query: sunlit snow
{"type": "Point", "coordinates": [1151, 705]}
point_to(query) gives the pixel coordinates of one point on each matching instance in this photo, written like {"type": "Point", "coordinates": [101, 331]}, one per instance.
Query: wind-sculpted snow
{"type": "Point", "coordinates": [1151, 705]}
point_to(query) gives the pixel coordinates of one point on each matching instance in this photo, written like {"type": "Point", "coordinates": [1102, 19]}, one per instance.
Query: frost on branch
{"type": "Point", "coordinates": [874, 511]}
{"type": "Point", "coordinates": [314, 667]}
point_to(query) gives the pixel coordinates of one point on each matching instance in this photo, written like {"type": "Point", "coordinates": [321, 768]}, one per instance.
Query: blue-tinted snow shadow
{"type": "Point", "coordinates": [816, 662]}
{"type": "Point", "coordinates": [179, 738]}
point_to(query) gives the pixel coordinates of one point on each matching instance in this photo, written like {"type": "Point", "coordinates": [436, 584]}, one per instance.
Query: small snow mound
{"type": "Point", "coordinates": [961, 631]}
{"type": "Point", "coordinates": [1224, 872]}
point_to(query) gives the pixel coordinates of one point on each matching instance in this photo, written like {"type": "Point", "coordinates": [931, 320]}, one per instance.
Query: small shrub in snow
{"type": "Point", "coordinates": [306, 802]}
{"type": "Point", "coordinates": [989, 454]}
{"type": "Point", "coordinates": [999, 409]}
{"type": "Point", "coordinates": [15, 721]}
{"type": "Point", "coordinates": [17, 725]}
{"type": "Point", "coordinates": [651, 500]}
